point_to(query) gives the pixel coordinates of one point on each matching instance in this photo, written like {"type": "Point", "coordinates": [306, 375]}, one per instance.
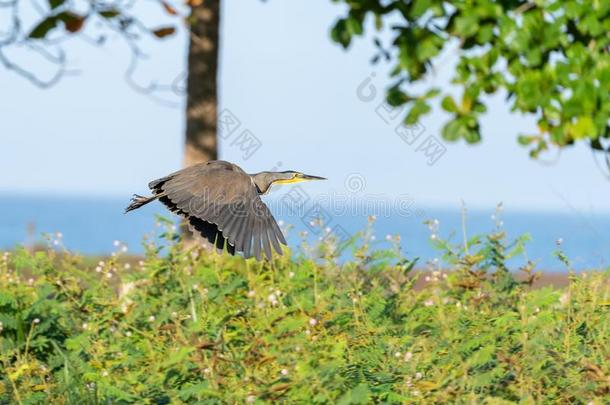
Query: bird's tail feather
{"type": "Point", "coordinates": [137, 201]}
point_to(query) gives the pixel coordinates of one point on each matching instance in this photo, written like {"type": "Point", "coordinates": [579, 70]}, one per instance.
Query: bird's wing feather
{"type": "Point", "coordinates": [223, 195]}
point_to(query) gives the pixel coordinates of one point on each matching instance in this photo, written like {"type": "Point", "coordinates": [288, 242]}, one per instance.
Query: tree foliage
{"type": "Point", "coordinates": [550, 57]}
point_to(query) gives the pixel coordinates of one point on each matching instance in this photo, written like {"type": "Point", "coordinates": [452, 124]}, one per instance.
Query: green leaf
{"type": "Point", "coordinates": [354, 25]}
{"type": "Point", "coordinates": [56, 3]}
{"type": "Point", "coordinates": [455, 129]}
{"type": "Point", "coordinates": [396, 97]}
{"type": "Point", "coordinates": [582, 128]}
{"type": "Point", "coordinates": [340, 33]}
{"type": "Point", "coordinates": [109, 13]}
{"type": "Point", "coordinates": [448, 104]}
{"type": "Point", "coordinates": [44, 27]}
{"type": "Point", "coordinates": [358, 395]}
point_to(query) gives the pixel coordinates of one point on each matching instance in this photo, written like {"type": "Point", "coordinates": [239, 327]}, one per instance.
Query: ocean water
{"type": "Point", "coordinates": [89, 226]}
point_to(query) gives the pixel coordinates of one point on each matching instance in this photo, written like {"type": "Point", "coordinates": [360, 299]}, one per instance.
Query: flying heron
{"type": "Point", "coordinates": [222, 202]}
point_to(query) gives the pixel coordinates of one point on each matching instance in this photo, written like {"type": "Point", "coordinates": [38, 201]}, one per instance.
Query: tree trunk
{"type": "Point", "coordinates": [202, 93]}
{"type": "Point", "coordinates": [201, 143]}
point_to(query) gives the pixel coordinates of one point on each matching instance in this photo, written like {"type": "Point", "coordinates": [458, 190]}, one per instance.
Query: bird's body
{"type": "Point", "coordinates": [222, 202]}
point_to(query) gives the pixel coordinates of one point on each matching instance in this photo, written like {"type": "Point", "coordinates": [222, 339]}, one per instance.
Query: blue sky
{"type": "Point", "coordinates": [296, 91]}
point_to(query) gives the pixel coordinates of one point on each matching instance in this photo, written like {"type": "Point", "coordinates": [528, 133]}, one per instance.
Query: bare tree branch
{"type": "Point", "coordinates": [129, 28]}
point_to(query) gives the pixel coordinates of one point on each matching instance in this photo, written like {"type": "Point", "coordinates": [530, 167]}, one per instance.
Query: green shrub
{"type": "Point", "coordinates": [185, 326]}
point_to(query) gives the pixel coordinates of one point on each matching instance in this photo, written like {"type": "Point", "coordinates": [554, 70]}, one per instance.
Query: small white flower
{"type": "Point", "coordinates": [313, 321]}
{"type": "Point", "coordinates": [151, 318]}
{"type": "Point", "coordinates": [56, 242]}
{"type": "Point", "coordinates": [418, 376]}
{"type": "Point", "coordinates": [433, 236]}
{"type": "Point", "coordinates": [251, 399]}
{"type": "Point", "coordinates": [206, 371]}
{"type": "Point", "coordinates": [36, 320]}
{"type": "Point", "coordinates": [104, 373]}
{"type": "Point", "coordinates": [108, 275]}
{"type": "Point", "coordinates": [291, 274]}
{"type": "Point", "coordinates": [141, 263]}
{"type": "Point", "coordinates": [427, 278]}
{"type": "Point", "coordinates": [251, 293]}
{"type": "Point", "coordinates": [388, 237]}
{"type": "Point", "coordinates": [397, 354]}
{"type": "Point", "coordinates": [272, 298]}
{"type": "Point", "coordinates": [124, 248]}
{"type": "Point", "coordinates": [128, 333]}
{"type": "Point", "coordinates": [127, 266]}
{"type": "Point", "coordinates": [429, 303]}
{"type": "Point", "coordinates": [59, 235]}
{"type": "Point", "coordinates": [284, 371]}
{"type": "Point", "coordinates": [30, 281]}
{"type": "Point", "coordinates": [408, 356]}
{"type": "Point", "coordinates": [98, 269]}
{"type": "Point", "coordinates": [307, 332]}
{"type": "Point", "coordinates": [85, 326]}
{"type": "Point", "coordinates": [195, 286]}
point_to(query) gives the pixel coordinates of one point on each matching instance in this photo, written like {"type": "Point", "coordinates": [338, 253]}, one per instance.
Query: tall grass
{"type": "Point", "coordinates": [187, 326]}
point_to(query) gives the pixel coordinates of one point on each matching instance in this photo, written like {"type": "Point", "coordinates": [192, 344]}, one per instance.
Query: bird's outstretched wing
{"type": "Point", "coordinates": [222, 204]}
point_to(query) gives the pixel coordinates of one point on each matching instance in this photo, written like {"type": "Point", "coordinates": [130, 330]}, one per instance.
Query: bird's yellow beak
{"type": "Point", "coordinates": [299, 177]}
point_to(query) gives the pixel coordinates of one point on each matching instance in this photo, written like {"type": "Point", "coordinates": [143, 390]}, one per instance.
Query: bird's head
{"type": "Point", "coordinates": [264, 180]}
